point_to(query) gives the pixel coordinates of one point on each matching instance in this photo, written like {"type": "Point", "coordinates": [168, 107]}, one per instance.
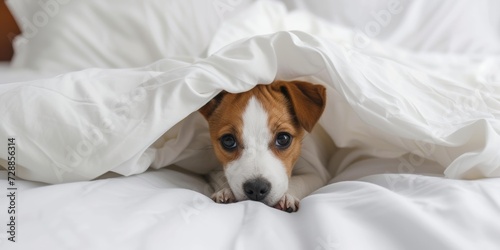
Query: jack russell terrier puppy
{"type": "Point", "coordinates": [257, 136]}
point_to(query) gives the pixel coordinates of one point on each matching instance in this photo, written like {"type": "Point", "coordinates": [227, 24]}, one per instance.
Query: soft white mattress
{"type": "Point", "coordinates": [388, 188]}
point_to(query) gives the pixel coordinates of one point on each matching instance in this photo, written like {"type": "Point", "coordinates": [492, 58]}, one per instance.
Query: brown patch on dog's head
{"type": "Point", "coordinates": [223, 114]}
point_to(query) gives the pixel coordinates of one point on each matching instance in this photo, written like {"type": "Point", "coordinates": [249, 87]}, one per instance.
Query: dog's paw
{"type": "Point", "coordinates": [288, 203]}
{"type": "Point", "coordinates": [224, 195]}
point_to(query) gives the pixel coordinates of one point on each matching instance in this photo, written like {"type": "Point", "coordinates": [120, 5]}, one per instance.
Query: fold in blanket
{"type": "Point", "coordinates": [382, 103]}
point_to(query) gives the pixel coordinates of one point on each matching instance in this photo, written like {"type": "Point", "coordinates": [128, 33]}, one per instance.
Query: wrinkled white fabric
{"type": "Point", "coordinates": [64, 35]}
{"type": "Point", "coordinates": [383, 102]}
{"type": "Point", "coordinates": [388, 111]}
{"type": "Point", "coordinates": [155, 210]}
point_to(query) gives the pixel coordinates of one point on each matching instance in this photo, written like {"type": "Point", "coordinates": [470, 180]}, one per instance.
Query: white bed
{"type": "Point", "coordinates": [415, 163]}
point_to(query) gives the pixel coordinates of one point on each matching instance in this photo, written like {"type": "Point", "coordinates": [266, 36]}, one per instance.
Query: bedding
{"type": "Point", "coordinates": [9, 74]}
{"type": "Point", "coordinates": [401, 131]}
{"type": "Point", "coordinates": [454, 27]}
{"type": "Point", "coordinates": [143, 32]}
{"type": "Point", "coordinates": [166, 209]}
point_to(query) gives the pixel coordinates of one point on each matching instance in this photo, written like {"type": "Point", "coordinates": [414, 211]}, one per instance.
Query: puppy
{"type": "Point", "coordinates": [257, 137]}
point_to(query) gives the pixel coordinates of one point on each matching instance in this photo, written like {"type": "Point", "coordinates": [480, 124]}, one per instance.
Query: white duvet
{"type": "Point", "coordinates": [388, 109]}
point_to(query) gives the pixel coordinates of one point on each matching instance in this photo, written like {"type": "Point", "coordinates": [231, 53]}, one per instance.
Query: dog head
{"type": "Point", "coordinates": [257, 135]}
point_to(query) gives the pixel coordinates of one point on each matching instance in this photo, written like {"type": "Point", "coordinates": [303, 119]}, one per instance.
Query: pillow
{"type": "Point", "coordinates": [64, 35]}
{"type": "Point", "coordinates": [449, 26]}
{"type": "Point", "coordinates": [395, 25]}
{"type": "Point", "coordinates": [265, 17]}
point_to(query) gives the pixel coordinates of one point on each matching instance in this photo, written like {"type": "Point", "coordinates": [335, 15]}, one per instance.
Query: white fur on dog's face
{"type": "Point", "coordinates": [256, 159]}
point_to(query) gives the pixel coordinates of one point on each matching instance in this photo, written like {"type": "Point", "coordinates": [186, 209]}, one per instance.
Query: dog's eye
{"type": "Point", "coordinates": [228, 142]}
{"type": "Point", "coordinates": [283, 140]}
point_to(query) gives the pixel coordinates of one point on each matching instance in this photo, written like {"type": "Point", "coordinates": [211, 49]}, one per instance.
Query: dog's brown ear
{"type": "Point", "coordinates": [208, 109]}
{"type": "Point", "coordinates": [307, 100]}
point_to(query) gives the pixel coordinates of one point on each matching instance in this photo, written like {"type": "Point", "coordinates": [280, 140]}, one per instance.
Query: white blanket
{"type": "Point", "coordinates": [383, 103]}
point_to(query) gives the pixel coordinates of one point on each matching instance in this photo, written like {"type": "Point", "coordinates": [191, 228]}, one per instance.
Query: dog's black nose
{"type": "Point", "coordinates": [257, 189]}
